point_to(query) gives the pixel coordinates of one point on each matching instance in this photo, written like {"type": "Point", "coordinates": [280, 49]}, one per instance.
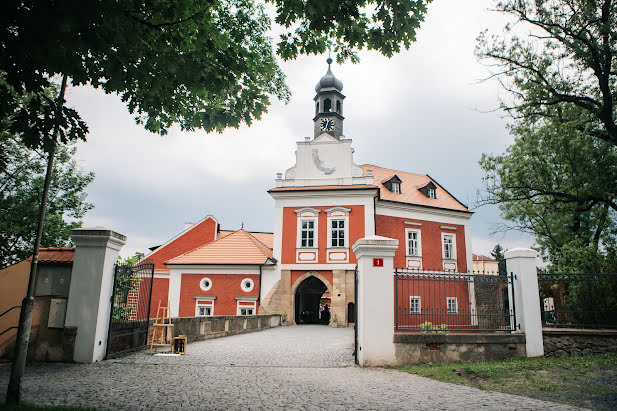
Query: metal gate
{"type": "Point", "coordinates": [129, 318]}
{"type": "Point", "coordinates": [355, 315]}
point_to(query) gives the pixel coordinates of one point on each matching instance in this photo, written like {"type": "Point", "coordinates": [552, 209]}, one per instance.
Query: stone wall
{"type": "Point", "coordinates": [491, 298]}
{"type": "Point", "coordinates": [577, 342]}
{"type": "Point", "coordinates": [203, 328]}
{"type": "Point", "coordinates": [419, 348]}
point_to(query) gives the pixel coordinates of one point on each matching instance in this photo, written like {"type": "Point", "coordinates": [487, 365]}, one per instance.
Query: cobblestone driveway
{"type": "Point", "coordinates": [302, 367]}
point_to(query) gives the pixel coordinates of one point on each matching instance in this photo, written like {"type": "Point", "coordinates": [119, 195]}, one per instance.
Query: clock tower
{"type": "Point", "coordinates": [329, 105]}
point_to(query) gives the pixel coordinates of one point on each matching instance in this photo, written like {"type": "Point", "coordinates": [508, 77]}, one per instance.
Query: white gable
{"type": "Point", "coordinates": [324, 160]}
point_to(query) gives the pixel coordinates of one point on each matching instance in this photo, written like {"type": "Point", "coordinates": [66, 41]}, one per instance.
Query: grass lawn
{"type": "Point", "coordinates": [589, 381]}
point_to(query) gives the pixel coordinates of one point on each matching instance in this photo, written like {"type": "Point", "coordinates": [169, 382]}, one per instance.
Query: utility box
{"type": "Point", "coordinates": [57, 313]}
{"type": "Point", "coordinates": [53, 280]}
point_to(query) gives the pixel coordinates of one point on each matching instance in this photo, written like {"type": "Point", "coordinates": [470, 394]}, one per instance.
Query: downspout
{"type": "Point", "coordinates": [259, 296]}
{"type": "Point", "coordinates": [375, 212]}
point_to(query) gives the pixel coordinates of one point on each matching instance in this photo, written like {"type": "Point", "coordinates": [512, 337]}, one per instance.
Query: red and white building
{"type": "Point", "coordinates": [323, 205]}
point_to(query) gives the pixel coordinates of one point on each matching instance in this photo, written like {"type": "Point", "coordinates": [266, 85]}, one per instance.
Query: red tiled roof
{"type": "Point", "coordinates": [477, 257]}
{"type": "Point", "coordinates": [266, 238]}
{"type": "Point", "coordinates": [56, 255]}
{"type": "Point", "coordinates": [239, 247]}
{"type": "Point", "coordinates": [410, 183]}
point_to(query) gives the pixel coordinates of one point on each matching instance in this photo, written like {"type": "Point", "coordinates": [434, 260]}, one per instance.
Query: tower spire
{"type": "Point", "coordinates": [329, 104]}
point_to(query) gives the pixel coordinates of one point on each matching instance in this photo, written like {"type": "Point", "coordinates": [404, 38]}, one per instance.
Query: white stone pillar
{"type": "Point", "coordinates": [92, 278]}
{"type": "Point", "coordinates": [522, 262]}
{"type": "Point", "coordinates": [375, 300]}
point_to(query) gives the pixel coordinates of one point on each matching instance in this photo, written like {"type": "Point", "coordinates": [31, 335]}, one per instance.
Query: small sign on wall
{"type": "Point", "coordinates": [377, 262]}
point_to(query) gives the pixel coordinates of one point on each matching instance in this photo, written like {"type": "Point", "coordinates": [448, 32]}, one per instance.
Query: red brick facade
{"type": "Point", "coordinates": [394, 227]}
{"type": "Point", "coordinates": [200, 234]}
{"type": "Point", "coordinates": [226, 287]}
{"type": "Point", "coordinates": [290, 232]}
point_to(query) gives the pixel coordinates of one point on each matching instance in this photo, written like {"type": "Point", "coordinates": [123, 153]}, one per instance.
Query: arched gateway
{"type": "Point", "coordinates": [307, 292]}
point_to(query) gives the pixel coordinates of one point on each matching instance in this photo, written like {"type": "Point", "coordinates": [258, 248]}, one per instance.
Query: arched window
{"type": "Point", "coordinates": [327, 105]}
{"type": "Point", "coordinates": [338, 106]}
{"type": "Point", "coordinates": [317, 108]}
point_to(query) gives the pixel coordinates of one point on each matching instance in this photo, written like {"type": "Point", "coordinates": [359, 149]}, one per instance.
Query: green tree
{"type": "Point", "coordinates": [21, 184]}
{"type": "Point", "coordinates": [200, 64]}
{"type": "Point", "coordinates": [498, 255]}
{"type": "Point", "coordinates": [557, 181]}
{"type": "Point", "coordinates": [566, 57]}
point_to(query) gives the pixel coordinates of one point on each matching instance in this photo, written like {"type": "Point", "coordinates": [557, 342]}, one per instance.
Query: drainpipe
{"type": "Point", "coordinates": [259, 296]}
{"type": "Point", "coordinates": [375, 212]}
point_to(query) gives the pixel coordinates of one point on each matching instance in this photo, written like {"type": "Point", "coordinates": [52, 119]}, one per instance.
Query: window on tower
{"type": "Point", "coordinates": [338, 106]}
{"type": "Point", "coordinates": [327, 105]}
{"type": "Point", "coordinates": [308, 233]}
{"type": "Point", "coordinates": [338, 233]}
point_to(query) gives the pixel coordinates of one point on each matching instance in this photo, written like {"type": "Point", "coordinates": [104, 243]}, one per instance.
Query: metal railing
{"type": "Point", "coordinates": [5, 312]}
{"type": "Point", "coordinates": [427, 301]}
{"type": "Point", "coordinates": [130, 307]}
{"type": "Point", "coordinates": [578, 300]}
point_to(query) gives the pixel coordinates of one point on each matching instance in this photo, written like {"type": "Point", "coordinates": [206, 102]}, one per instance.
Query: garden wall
{"type": "Point", "coordinates": [419, 348]}
{"type": "Point", "coordinates": [569, 342]}
{"type": "Point", "coordinates": [203, 328]}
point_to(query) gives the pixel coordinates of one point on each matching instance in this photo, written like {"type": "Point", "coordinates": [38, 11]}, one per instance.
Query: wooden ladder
{"type": "Point", "coordinates": [160, 332]}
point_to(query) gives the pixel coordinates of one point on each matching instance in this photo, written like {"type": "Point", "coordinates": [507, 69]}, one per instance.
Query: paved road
{"type": "Point", "coordinates": [302, 367]}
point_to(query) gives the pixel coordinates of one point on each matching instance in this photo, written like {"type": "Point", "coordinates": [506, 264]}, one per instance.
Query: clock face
{"type": "Point", "coordinates": [326, 124]}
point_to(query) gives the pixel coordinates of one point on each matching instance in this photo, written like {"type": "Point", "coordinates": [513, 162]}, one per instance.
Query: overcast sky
{"type": "Point", "coordinates": [422, 111]}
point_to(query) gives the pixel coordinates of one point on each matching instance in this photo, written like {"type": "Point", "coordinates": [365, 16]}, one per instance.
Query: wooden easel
{"type": "Point", "coordinates": [161, 325]}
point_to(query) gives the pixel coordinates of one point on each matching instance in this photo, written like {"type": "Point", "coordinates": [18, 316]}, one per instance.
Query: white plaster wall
{"type": "Point", "coordinates": [375, 301]}
{"type": "Point", "coordinates": [522, 262]}
{"type": "Point", "coordinates": [90, 292]}
{"type": "Point", "coordinates": [269, 276]}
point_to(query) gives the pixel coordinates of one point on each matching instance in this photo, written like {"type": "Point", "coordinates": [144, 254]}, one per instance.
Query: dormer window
{"type": "Point", "coordinates": [429, 190]}
{"type": "Point", "coordinates": [393, 184]}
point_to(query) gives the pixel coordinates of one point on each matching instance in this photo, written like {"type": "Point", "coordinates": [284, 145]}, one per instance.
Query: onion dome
{"type": "Point", "coordinates": [329, 81]}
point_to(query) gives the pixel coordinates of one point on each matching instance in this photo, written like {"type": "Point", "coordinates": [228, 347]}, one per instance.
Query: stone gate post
{"type": "Point", "coordinates": [89, 303]}
{"type": "Point", "coordinates": [522, 262]}
{"type": "Point", "coordinates": [375, 302]}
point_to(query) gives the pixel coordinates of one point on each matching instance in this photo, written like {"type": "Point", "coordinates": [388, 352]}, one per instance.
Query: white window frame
{"type": "Point", "coordinates": [204, 287]}
{"type": "Point", "coordinates": [250, 287]}
{"type": "Point", "coordinates": [239, 307]}
{"type": "Point", "coordinates": [396, 187]}
{"type": "Point", "coordinates": [412, 298]}
{"type": "Point", "coordinates": [443, 246]}
{"type": "Point", "coordinates": [307, 214]}
{"type": "Point", "coordinates": [448, 300]}
{"type": "Point", "coordinates": [430, 193]}
{"type": "Point", "coordinates": [338, 213]}
{"type": "Point", "coordinates": [209, 303]}
{"type": "Point", "coordinates": [419, 242]}
{"type": "Point", "coordinates": [315, 232]}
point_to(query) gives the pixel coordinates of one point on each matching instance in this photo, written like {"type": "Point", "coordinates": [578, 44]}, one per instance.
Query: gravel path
{"type": "Point", "coordinates": [302, 367]}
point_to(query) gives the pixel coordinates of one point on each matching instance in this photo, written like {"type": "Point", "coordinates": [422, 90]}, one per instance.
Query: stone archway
{"type": "Point", "coordinates": [299, 281]}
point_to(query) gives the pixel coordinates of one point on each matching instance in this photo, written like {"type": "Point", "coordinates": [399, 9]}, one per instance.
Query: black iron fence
{"type": "Point", "coordinates": [578, 300]}
{"type": "Point", "coordinates": [130, 308]}
{"type": "Point", "coordinates": [427, 301]}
